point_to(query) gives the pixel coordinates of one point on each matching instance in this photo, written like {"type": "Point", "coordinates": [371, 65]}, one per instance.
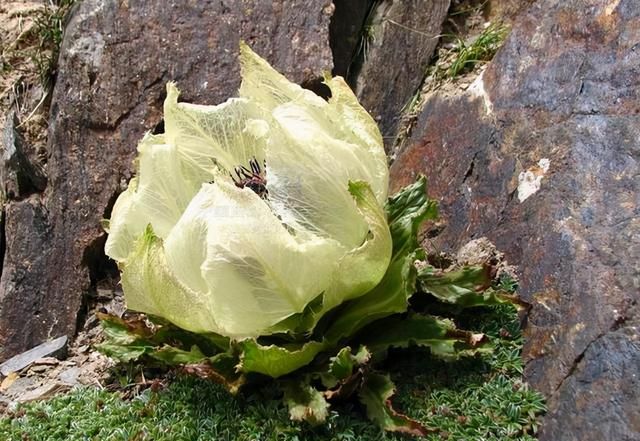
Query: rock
{"type": "Point", "coordinates": [47, 390]}
{"type": "Point", "coordinates": [478, 252]}
{"type": "Point", "coordinates": [48, 349]}
{"type": "Point", "coordinates": [611, 360]}
{"type": "Point", "coordinates": [18, 175]}
{"type": "Point", "coordinates": [47, 361]}
{"type": "Point", "coordinates": [115, 60]}
{"type": "Point", "coordinates": [70, 376]}
{"type": "Point", "coordinates": [19, 387]}
{"type": "Point", "coordinates": [506, 10]}
{"type": "Point", "coordinates": [27, 312]}
{"type": "Point", "coordinates": [400, 40]}
{"type": "Point", "coordinates": [345, 32]}
{"type": "Point", "coordinates": [561, 95]}
{"type": "Point", "coordinates": [38, 369]}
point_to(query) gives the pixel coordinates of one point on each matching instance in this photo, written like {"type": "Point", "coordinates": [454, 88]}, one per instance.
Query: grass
{"type": "Point", "coordinates": [29, 50]}
{"type": "Point", "coordinates": [463, 56]}
{"type": "Point", "coordinates": [48, 29]}
{"type": "Point", "coordinates": [470, 399]}
{"type": "Point", "coordinates": [457, 56]}
{"type": "Point", "coordinates": [480, 49]}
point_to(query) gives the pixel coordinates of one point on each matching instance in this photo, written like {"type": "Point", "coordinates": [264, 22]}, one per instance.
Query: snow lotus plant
{"type": "Point", "coordinates": [259, 240]}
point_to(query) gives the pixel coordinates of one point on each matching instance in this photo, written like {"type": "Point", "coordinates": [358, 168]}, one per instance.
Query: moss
{"type": "Point", "coordinates": [477, 398]}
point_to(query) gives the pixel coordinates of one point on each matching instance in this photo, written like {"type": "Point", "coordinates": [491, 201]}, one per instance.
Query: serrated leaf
{"type": "Point", "coordinates": [173, 356]}
{"type": "Point", "coordinates": [124, 353]}
{"type": "Point", "coordinates": [120, 330]}
{"type": "Point", "coordinates": [343, 364]}
{"type": "Point", "coordinates": [406, 211]}
{"type": "Point", "coordinates": [440, 335]}
{"type": "Point", "coordinates": [220, 368]}
{"type": "Point", "coordinates": [123, 338]}
{"type": "Point", "coordinates": [376, 394]}
{"type": "Point", "coordinates": [466, 287]}
{"type": "Point", "coordinates": [305, 403]}
{"type": "Point", "coordinates": [276, 361]}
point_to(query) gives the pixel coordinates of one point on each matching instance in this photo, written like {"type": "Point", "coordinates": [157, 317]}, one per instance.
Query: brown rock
{"type": "Point", "coordinates": [402, 36]}
{"type": "Point", "coordinates": [542, 158]}
{"type": "Point", "coordinates": [506, 10]}
{"type": "Point", "coordinates": [115, 60]}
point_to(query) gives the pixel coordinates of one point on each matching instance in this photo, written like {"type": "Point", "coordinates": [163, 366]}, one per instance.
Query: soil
{"type": "Point", "coordinates": [25, 83]}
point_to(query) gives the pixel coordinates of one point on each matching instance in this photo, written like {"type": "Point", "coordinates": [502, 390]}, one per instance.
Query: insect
{"type": "Point", "coordinates": [254, 179]}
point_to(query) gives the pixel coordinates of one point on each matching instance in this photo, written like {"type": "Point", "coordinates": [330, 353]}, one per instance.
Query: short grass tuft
{"type": "Point", "coordinates": [479, 50]}
{"type": "Point", "coordinates": [49, 27]}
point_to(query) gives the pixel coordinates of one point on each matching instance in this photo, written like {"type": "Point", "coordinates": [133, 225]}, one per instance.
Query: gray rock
{"type": "Point", "coordinates": [19, 177]}
{"type": "Point", "coordinates": [70, 376]}
{"type": "Point", "coordinates": [51, 348]}
{"type": "Point", "coordinates": [607, 380]}
{"type": "Point", "coordinates": [18, 388]}
{"type": "Point", "coordinates": [402, 37]}
{"type": "Point", "coordinates": [115, 60]}
{"type": "Point", "coordinates": [45, 391]}
{"type": "Point", "coordinates": [542, 157]}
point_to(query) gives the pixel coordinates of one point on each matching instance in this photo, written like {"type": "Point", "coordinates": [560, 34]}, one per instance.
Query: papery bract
{"type": "Point", "coordinates": [206, 252]}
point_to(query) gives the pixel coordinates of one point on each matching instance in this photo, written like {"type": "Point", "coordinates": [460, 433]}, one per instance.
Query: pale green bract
{"type": "Point", "coordinates": [209, 256]}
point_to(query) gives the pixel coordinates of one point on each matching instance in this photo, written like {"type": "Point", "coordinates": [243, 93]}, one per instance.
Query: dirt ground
{"type": "Point", "coordinates": [30, 32]}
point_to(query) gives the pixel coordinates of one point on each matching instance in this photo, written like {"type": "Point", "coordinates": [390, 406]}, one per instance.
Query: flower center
{"type": "Point", "coordinates": [252, 177]}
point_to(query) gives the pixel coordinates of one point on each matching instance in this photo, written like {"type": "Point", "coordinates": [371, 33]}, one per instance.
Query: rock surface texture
{"type": "Point", "coordinates": [399, 40]}
{"type": "Point", "coordinates": [116, 58]}
{"type": "Point", "coordinates": [541, 155]}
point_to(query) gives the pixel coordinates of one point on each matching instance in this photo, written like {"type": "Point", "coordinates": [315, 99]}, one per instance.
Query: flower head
{"type": "Point", "coordinates": [257, 215]}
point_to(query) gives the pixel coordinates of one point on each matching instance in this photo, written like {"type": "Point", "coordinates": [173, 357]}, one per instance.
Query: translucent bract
{"type": "Point", "coordinates": [209, 255]}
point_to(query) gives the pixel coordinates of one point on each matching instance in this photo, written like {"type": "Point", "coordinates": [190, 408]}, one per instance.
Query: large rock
{"type": "Point", "coordinates": [541, 155]}
{"type": "Point", "coordinates": [398, 42]}
{"type": "Point", "coordinates": [116, 58]}
{"type": "Point", "coordinates": [346, 31]}
{"type": "Point", "coordinates": [19, 176]}
{"type": "Point", "coordinates": [24, 267]}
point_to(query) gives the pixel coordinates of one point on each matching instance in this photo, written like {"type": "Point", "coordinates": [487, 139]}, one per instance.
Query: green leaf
{"type": "Point", "coordinates": [173, 356]}
{"type": "Point", "coordinates": [467, 287]}
{"type": "Point", "coordinates": [131, 338]}
{"type": "Point", "coordinates": [305, 403]}
{"type": "Point", "coordinates": [124, 340]}
{"type": "Point", "coordinates": [124, 353]}
{"type": "Point", "coordinates": [440, 335]}
{"type": "Point", "coordinates": [342, 365]}
{"type": "Point", "coordinates": [376, 395]}
{"type": "Point", "coordinates": [124, 331]}
{"type": "Point", "coordinates": [406, 211]}
{"type": "Point", "coordinates": [276, 361]}
{"type": "Point", "coordinates": [344, 373]}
